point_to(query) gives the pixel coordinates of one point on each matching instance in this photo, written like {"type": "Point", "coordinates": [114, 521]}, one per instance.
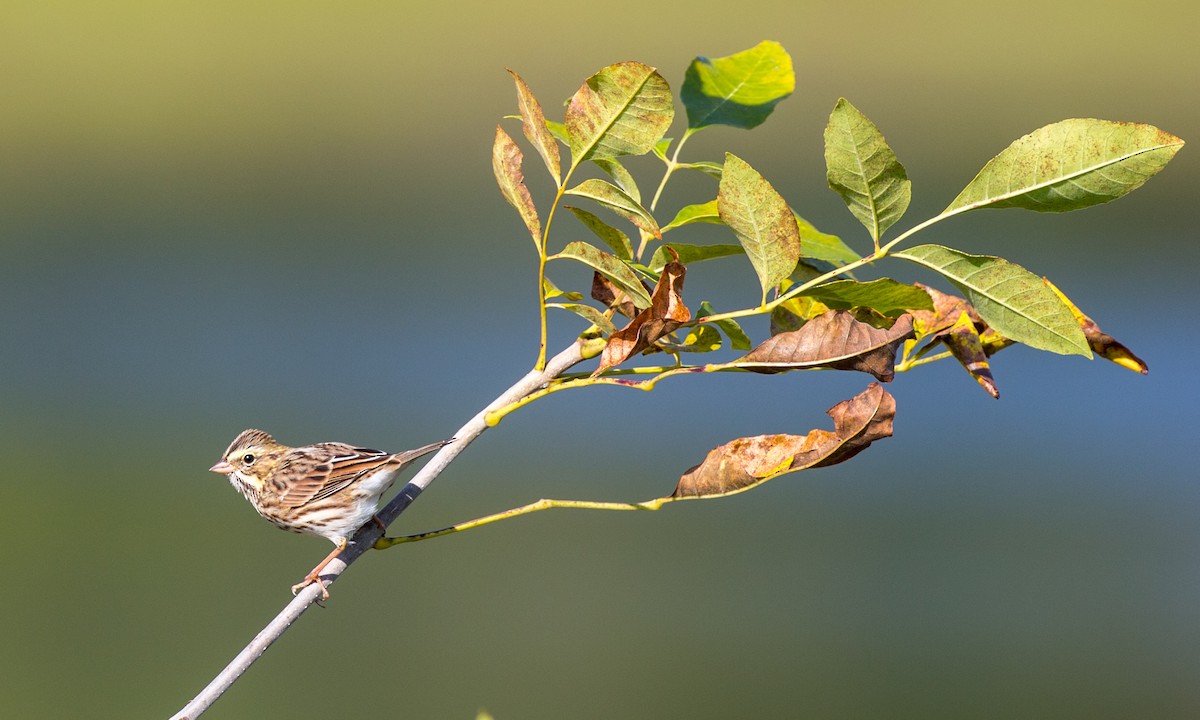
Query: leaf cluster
{"type": "Point", "coordinates": [822, 315]}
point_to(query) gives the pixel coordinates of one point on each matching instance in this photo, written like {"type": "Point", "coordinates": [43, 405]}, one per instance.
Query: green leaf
{"type": "Point", "coordinates": [762, 221]}
{"type": "Point", "coordinates": [738, 339]}
{"type": "Point", "coordinates": [610, 266]}
{"type": "Point", "coordinates": [711, 169]}
{"type": "Point", "coordinates": [689, 254]}
{"type": "Point", "coordinates": [612, 237]}
{"type": "Point", "coordinates": [822, 246]}
{"type": "Point", "coordinates": [506, 165]}
{"type": "Point", "coordinates": [700, 338]}
{"type": "Point", "coordinates": [740, 90]}
{"type": "Point", "coordinates": [622, 110]}
{"type": "Point", "coordinates": [550, 290]}
{"type": "Point", "coordinates": [533, 121]}
{"type": "Point", "coordinates": [864, 170]}
{"type": "Point", "coordinates": [620, 176]}
{"type": "Point", "coordinates": [559, 131]}
{"type": "Point", "coordinates": [617, 200]}
{"type": "Point", "coordinates": [589, 313]}
{"type": "Point", "coordinates": [660, 148]}
{"type": "Point", "coordinates": [1012, 300]}
{"type": "Point", "coordinates": [1070, 165]}
{"type": "Point", "coordinates": [704, 212]}
{"type": "Point", "coordinates": [885, 296]}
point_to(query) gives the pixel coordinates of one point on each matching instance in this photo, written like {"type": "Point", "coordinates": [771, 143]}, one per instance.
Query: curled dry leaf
{"type": "Point", "coordinates": [665, 314]}
{"type": "Point", "coordinates": [746, 462]}
{"type": "Point", "coordinates": [1109, 348]}
{"type": "Point", "coordinates": [962, 339]}
{"type": "Point", "coordinates": [954, 323]}
{"type": "Point", "coordinates": [1103, 344]}
{"type": "Point", "coordinates": [607, 292]}
{"type": "Point", "coordinates": [834, 340]}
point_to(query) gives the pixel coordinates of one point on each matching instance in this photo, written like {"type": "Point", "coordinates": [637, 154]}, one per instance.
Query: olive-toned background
{"type": "Point", "coordinates": [282, 215]}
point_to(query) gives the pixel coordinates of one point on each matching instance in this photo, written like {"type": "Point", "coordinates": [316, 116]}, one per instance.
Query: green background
{"type": "Point", "coordinates": [231, 214]}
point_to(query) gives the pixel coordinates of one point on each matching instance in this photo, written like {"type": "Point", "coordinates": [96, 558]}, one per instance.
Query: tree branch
{"type": "Point", "coordinates": [369, 533]}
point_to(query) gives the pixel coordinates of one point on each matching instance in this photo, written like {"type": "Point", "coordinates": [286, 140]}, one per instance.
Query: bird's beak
{"type": "Point", "coordinates": [222, 467]}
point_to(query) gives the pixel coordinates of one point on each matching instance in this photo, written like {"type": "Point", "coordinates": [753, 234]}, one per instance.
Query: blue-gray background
{"type": "Point", "coordinates": [282, 215]}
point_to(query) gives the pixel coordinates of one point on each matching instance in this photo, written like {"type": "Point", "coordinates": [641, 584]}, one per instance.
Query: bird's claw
{"type": "Point", "coordinates": [309, 580]}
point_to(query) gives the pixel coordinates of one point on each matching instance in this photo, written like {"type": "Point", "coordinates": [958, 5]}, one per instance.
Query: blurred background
{"type": "Point", "coordinates": [282, 215]}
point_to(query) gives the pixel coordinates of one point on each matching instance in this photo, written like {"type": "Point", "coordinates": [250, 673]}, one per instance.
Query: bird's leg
{"type": "Point", "coordinates": [315, 575]}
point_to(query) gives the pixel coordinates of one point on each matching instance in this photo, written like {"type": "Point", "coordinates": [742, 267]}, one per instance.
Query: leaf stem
{"type": "Point", "coordinates": [541, 280]}
{"type": "Point", "coordinates": [909, 363]}
{"type": "Point", "coordinates": [881, 253]}
{"type": "Point", "coordinates": [544, 504]}
{"type": "Point", "coordinates": [577, 380]}
{"type": "Point", "coordinates": [672, 166]}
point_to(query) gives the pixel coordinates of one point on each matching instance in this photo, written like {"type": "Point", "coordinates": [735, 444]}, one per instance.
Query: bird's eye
{"type": "Point", "coordinates": [248, 459]}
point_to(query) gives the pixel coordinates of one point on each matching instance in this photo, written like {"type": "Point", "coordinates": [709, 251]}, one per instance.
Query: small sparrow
{"type": "Point", "coordinates": [329, 489]}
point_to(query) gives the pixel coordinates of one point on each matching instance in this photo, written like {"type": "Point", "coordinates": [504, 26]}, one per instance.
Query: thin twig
{"type": "Point", "coordinates": [369, 533]}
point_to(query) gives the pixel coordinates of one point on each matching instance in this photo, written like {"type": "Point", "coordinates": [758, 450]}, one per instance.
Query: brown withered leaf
{"type": "Point", "coordinates": [746, 462]}
{"type": "Point", "coordinates": [665, 314]}
{"type": "Point", "coordinates": [1103, 344]}
{"type": "Point", "coordinates": [607, 292]}
{"type": "Point", "coordinates": [834, 339]}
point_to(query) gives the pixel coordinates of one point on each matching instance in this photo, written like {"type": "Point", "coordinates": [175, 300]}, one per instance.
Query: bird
{"type": "Point", "coordinates": [328, 489]}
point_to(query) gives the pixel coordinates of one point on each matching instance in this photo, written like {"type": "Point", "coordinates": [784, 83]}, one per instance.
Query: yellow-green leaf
{"type": "Point", "coordinates": [738, 339]}
{"type": "Point", "coordinates": [617, 200]}
{"type": "Point", "coordinates": [740, 90]}
{"type": "Point", "coordinates": [612, 237]}
{"type": "Point", "coordinates": [1010, 299]}
{"type": "Point", "coordinates": [700, 338]}
{"type": "Point", "coordinates": [761, 219]}
{"type": "Point", "coordinates": [589, 313]}
{"type": "Point", "coordinates": [506, 165]}
{"type": "Point", "coordinates": [1070, 165]}
{"type": "Point", "coordinates": [823, 246]}
{"type": "Point", "coordinates": [610, 266]}
{"type": "Point", "coordinates": [864, 170]}
{"type": "Point", "coordinates": [622, 110]}
{"type": "Point", "coordinates": [688, 214]}
{"type": "Point", "coordinates": [688, 254]}
{"type": "Point", "coordinates": [884, 295]}
{"type": "Point", "coordinates": [620, 176]}
{"type": "Point", "coordinates": [533, 121]}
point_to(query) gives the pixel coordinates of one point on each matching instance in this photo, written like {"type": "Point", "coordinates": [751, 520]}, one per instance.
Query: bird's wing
{"type": "Point", "coordinates": [327, 469]}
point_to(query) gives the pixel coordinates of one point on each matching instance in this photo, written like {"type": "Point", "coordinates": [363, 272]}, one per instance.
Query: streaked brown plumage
{"type": "Point", "coordinates": [328, 489]}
